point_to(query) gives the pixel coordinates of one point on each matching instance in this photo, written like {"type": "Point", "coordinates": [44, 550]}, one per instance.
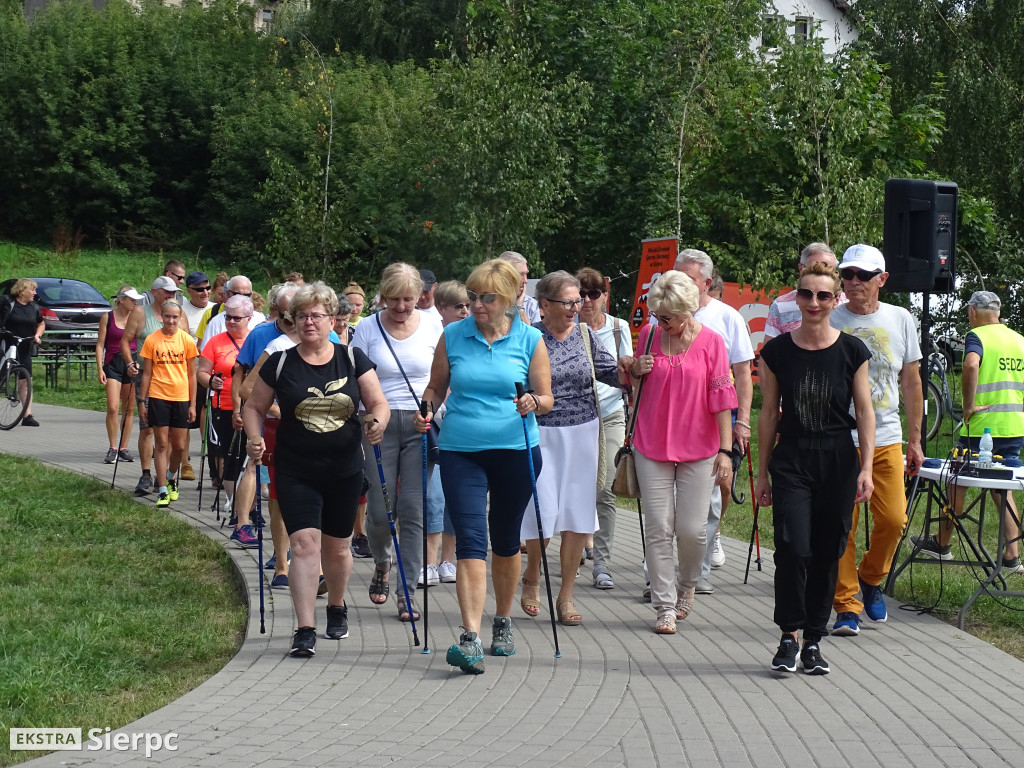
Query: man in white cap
{"type": "Point", "coordinates": [993, 390]}
{"type": "Point", "coordinates": [891, 335]}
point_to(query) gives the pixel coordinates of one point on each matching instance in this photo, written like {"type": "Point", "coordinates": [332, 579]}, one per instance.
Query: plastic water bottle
{"type": "Point", "coordinates": [985, 449]}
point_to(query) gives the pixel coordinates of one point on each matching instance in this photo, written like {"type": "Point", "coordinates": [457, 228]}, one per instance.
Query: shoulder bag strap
{"type": "Point", "coordinates": [639, 389]}
{"type": "Point", "coordinates": [602, 463]}
{"type": "Point", "coordinates": [280, 365]}
{"type": "Point", "coordinates": [391, 349]}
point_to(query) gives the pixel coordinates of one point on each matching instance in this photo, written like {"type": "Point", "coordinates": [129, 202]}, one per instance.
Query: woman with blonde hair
{"type": "Point", "coordinates": [400, 340]}
{"type": "Point", "coordinates": [687, 383]}
{"type": "Point", "coordinates": [483, 449]}
{"type": "Point", "coordinates": [21, 316]}
{"type": "Point", "coordinates": [112, 371]}
{"type": "Point", "coordinates": [357, 297]}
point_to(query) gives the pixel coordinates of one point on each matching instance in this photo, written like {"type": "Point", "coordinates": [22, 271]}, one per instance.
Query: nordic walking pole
{"type": "Point", "coordinates": [394, 539]}
{"type": "Point", "coordinates": [753, 531]}
{"type": "Point", "coordinates": [120, 434]}
{"type": "Point", "coordinates": [426, 580]}
{"type": "Point", "coordinates": [520, 393]}
{"type": "Point", "coordinates": [259, 544]}
{"type": "Point", "coordinates": [205, 437]}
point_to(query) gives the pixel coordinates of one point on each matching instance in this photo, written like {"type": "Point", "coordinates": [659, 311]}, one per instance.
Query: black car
{"type": "Point", "coordinates": [67, 305]}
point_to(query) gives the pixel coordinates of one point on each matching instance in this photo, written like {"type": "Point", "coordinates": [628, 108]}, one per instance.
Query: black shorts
{"type": "Point", "coordinates": [326, 503]}
{"type": "Point", "coordinates": [167, 413]}
{"type": "Point", "coordinates": [117, 369]}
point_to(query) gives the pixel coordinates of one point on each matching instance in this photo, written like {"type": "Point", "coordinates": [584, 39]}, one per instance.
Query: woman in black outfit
{"type": "Point", "coordinates": [814, 373]}
{"type": "Point", "coordinates": [318, 458]}
{"type": "Point", "coordinates": [20, 315]}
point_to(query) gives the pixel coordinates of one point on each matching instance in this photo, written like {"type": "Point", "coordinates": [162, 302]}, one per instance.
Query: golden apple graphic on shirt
{"type": "Point", "coordinates": [325, 412]}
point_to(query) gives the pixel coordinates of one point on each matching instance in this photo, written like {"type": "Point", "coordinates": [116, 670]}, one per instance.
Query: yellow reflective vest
{"type": "Point", "coordinates": [1000, 382]}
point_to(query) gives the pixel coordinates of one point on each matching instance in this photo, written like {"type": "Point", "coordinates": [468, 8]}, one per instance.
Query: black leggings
{"type": "Point", "coordinates": [813, 489]}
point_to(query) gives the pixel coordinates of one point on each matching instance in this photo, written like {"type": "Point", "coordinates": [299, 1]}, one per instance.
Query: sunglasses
{"type": "Point", "coordinates": [593, 294]}
{"type": "Point", "coordinates": [237, 293]}
{"type": "Point", "coordinates": [179, 278]}
{"type": "Point", "coordinates": [200, 288]}
{"type": "Point", "coordinates": [807, 294]}
{"type": "Point", "coordinates": [235, 318]}
{"type": "Point", "coordinates": [486, 298]}
{"type": "Point", "coordinates": [865, 277]}
{"type": "Point", "coordinates": [460, 307]}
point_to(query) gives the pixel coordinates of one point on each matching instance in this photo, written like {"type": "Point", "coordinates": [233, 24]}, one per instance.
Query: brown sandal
{"type": "Point", "coordinates": [684, 603]}
{"type": "Point", "coordinates": [530, 605]}
{"type": "Point", "coordinates": [568, 615]}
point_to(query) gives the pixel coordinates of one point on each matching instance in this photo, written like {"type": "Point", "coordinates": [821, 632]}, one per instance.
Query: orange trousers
{"type": "Point", "coordinates": [888, 516]}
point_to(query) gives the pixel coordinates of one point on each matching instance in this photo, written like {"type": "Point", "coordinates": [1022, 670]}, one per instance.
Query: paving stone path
{"type": "Point", "coordinates": [911, 692]}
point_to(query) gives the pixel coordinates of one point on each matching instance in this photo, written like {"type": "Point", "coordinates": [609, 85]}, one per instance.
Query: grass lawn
{"type": "Point", "coordinates": [111, 609]}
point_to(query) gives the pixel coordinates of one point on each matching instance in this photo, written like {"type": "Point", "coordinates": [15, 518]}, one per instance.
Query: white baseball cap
{"type": "Point", "coordinates": [865, 257]}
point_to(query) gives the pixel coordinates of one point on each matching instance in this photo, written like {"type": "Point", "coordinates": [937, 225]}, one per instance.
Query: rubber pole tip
{"type": "Point", "coordinates": [558, 655]}
{"type": "Point", "coordinates": [425, 650]}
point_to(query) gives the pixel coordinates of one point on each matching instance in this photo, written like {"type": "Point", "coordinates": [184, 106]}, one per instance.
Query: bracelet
{"type": "Point", "coordinates": [739, 423]}
{"type": "Point", "coordinates": [536, 402]}
{"type": "Point", "coordinates": [725, 452]}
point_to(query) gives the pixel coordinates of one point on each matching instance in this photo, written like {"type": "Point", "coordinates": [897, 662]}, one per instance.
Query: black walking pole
{"type": "Point", "coordinates": [205, 437]}
{"type": "Point", "coordinates": [120, 434]}
{"type": "Point", "coordinates": [754, 534]}
{"type": "Point", "coordinates": [426, 575]}
{"type": "Point", "coordinates": [259, 543]}
{"type": "Point", "coordinates": [520, 393]}
{"type": "Point", "coordinates": [394, 539]}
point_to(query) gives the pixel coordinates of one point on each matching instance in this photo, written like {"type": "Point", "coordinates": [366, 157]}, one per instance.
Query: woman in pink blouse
{"type": "Point", "coordinates": [682, 440]}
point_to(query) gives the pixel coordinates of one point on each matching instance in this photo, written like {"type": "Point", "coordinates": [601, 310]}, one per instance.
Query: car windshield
{"type": "Point", "coordinates": [68, 291]}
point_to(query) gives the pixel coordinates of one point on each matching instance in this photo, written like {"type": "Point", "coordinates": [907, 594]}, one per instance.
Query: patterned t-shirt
{"type": "Point", "coordinates": [572, 377]}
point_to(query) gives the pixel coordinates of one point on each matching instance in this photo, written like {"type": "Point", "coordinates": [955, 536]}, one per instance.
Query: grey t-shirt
{"type": "Point", "coordinates": [891, 336]}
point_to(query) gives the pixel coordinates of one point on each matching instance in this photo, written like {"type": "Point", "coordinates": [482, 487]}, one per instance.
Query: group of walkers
{"type": "Point", "coordinates": [421, 398]}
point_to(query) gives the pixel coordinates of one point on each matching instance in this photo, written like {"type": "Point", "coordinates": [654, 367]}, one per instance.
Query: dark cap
{"type": "Point", "coordinates": [195, 278]}
{"type": "Point", "coordinates": [428, 279]}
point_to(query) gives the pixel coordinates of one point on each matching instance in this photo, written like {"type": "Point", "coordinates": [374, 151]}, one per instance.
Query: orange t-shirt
{"type": "Point", "coordinates": [171, 356]}
{"type": "Point", "coordinates": [222, 350]}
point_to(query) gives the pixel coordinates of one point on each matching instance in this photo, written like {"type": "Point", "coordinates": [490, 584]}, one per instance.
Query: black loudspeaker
{"type": "Point", "coordinates": [920, 235]}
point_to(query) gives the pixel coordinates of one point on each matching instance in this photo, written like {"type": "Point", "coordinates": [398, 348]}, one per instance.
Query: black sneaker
{"type": "Point", "coordinates": [145, 485]}
{"type": "Point", "coordinates": [304, 644]}
{"type": "Point", "coordinates": [29, 421]}
{"type": "Point", "coordinates": [337, 622]}
{"type": "Point", "coordinates": [361, 546]}
{"type": "Point", "coordinates": [125, 455]}
{"type": "Point", "coordinates": [785, 657]}
{"type": "Point", "coordinates": [111, 456]}
{"type": "Point", "coordinates": [929, 547]}
{"type": "Point", "coordinates": [813, 664]}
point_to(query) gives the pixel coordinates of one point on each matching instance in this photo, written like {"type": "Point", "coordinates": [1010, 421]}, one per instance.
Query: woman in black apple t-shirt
{"type": "Point", "coordinates": [20, 315]}
{"type": "Point", "coordinates": [814, 372]}
{"type": "Point", "coordinates": [318, 460]}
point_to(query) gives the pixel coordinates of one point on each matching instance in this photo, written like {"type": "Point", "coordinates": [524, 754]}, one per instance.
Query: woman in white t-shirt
{"type": "Point", "coordinates": [400, 340]}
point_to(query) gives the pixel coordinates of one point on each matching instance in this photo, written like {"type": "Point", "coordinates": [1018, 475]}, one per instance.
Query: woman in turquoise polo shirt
{"type": "Point", "coordinates": [480, 359]}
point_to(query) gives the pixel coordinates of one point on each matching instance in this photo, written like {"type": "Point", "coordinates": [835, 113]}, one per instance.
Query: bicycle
{"type": "Point", "coordinates": [15, 384]}
{"type": "Point", "coordinates": [939, 400]}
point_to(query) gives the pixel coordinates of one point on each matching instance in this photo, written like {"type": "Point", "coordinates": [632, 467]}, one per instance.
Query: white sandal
{"type": "Point", "coordinates": [603, 579]}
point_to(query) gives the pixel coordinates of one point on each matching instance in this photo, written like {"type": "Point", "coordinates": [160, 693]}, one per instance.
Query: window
{"type": "Point", "coordinates": [773, 31]}
{"type": "Point", "coordinates": [803, 28]}
{"type": "Point", "coordinates": [265, 19]}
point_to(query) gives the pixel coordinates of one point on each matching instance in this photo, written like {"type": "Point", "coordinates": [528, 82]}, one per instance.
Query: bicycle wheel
{"type": "Point", "coordinates": [935, 412]}
{"type": "Point", "coordinates": [13, 401]}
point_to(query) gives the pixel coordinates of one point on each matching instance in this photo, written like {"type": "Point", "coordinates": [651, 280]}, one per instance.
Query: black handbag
{"type": "Point", "coordinates": [433, 452]}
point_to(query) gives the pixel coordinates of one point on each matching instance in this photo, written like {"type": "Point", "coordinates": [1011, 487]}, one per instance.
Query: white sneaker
{"type": "Point", "coordinates": [433, 579]}
{"type": "Point", "coordinates": [446, 571]}
{"type": "Point", "coordinates": [717, 554]}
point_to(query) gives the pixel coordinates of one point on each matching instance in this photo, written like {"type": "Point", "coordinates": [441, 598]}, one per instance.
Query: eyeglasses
{"type": "Point", "coordinates": [807, 294]}
{"type": "Point", "coordinates": [569, 304]}
{"type": "Point", "coordinates": [200, 288]}
{"type": "Point", "coordinates": [665, 319]}
{"type": "Point", "coordinates": [865, 277]}
{"type": "Point", "coordinates": [486, 298]}
{"type": "Point", "coordinates": [316, 317]}
{"type": "Point", "coordinates": [593, 294]}
{"type": "Point", "coordinates": [235, 318]}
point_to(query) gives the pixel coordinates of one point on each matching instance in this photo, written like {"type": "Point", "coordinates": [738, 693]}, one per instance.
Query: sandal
{"type": "Point", "coordinates": [603, 579]}
{"type": "Point", "coordinates": [403, 612]}
{"type": "Point", "coordinates": [684, 603]}
{"type": "Point", "coordinates": [666, 623]}
{"type": "Point", "coordinates": [568, 615]}
{"type": "Point", "coordinates": [530, 605]}
{"type": "Point", "coordinates": [379, 588]}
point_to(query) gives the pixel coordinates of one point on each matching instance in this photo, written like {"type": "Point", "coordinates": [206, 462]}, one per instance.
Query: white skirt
{"type": "Point", "coordinates": [567, 485]}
